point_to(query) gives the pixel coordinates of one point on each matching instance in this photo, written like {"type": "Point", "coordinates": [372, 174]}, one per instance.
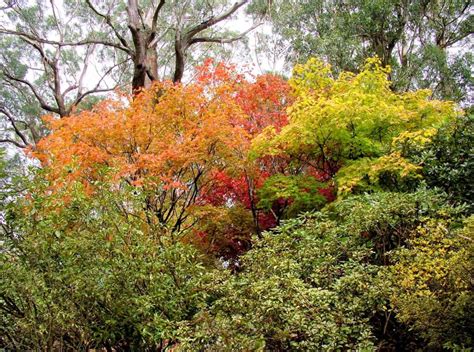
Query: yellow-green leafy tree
{"type": "Point", "coordinates": [354, 127]}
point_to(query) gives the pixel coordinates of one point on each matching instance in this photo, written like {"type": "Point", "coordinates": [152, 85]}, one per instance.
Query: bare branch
{"type": "Point", "coordinates": [213, 20]}
{"type": "Point", "coordinates": [59, 43]}
{"type": "Point", "coordinates": [40, 99]}
{"type": "Point", "coordinates": [155, 16]}
{"type": "Point", "coordinates": [133, 15]}
{"type": "Point", "coordinates": [223, 40]}
{"type": "Point", "coordinates": [69, 89]}
{"type": "Point", "coordinates": [13, 123]}
{"type": "Point", "coordinates": [155, 39]}
{"type": "Point", "coordinates": [7, 140]}
{"type": "Point", "coordinates": [89, 51]}
{"type": "Point", "coordinates": [96, 89]}
{"type": "Point", "coordinates": [108, 21]}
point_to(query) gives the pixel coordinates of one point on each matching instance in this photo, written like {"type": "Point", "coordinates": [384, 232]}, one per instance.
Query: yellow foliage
{"type": "Point", "coordinates": [432, 277]}
{"type": "Point", "coordinates": [356, 121]}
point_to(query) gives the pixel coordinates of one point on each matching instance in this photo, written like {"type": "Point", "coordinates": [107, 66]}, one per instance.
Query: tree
{"type": "Point", "coordinates": [189, 23]}
{"type": "Point", "coordinates": [264, 101]}
{"type": "Point", "coordinates": [126, 44]}
{"type": "Point", "coordinates": [168, 148]}
{"type": "Point", "coordinates": [186, 151]}
{"type": "Point", "coordinates": [92, 274]}
{"type": "Point", "coordinates": [46, 68]}
{"type": "Point", "coordinates": [427, 43]}
{"type": "Point", "coordinates": [354, 127]}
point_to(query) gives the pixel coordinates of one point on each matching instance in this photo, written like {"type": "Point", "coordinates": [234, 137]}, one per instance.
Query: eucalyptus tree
{"type": "Point", "coordinates": [149, 32]}
{"type": "Point", "coordinates": [43, 67]}
{"type": "Point", "coordinates": [427, 42]}
{"type": "Point", "coordinates": [60, 56]}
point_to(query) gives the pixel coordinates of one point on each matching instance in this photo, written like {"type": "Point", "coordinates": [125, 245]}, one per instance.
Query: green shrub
{"type": "Point", "coordinates": [86, 273]}
{"type": "Point", "coordinates": [306, 287]}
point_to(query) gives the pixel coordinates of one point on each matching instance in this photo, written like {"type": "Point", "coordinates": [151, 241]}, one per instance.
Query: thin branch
{"type": "Point", "coordinates": [89, 51]}
{"type": "Point", "coordinates": [108, 21]}
{"type": "Point", "coordinates": [59, 43]}
{"type": "Point", "coordinates": [154, 39]}
{"type": "Point", "coordinates": [7, 140]}
{"type": "Point", "coordinates": [213, 20]}
{"type": "Point", "coordinates": [155, 15]}
{"type": "Point", "coordinates": [13, 123]}
{"type": "Point", "coordinates": [96, 89]}
{"type": "Point", "coordinates": [40, 99]}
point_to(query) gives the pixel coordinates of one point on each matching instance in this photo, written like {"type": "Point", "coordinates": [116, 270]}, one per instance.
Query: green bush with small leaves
{"type": "Point", "coordinates": [89, 273]}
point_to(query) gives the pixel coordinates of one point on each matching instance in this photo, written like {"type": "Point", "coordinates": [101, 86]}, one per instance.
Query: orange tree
{"type": "Point", "coordinates": [264, 101]}
{"type": "Point", "coordinates": [167, 142]}
{"type": "Point", "coordinates": [185, 150]}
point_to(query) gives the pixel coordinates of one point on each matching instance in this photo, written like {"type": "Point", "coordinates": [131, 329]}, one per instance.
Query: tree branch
{"type": "Point", "coordinates": [108, 21]}
{"type": "Point", "coordinates": [40, 99]}
{"type": "Point", "coordinates": [59, 43]}
{"type": "Point", "coordinates": [213, 20]}
{"type": "Point", "coordinates": [13, 123]}
{"type": "Point", "coordinates": [155, 15]}
{"type": "Point", "coordinates": [96, 89]}
{"type": "Point", "coordinates": [223, 40]}
{"type": "Point", "coordinates": [7, 140]}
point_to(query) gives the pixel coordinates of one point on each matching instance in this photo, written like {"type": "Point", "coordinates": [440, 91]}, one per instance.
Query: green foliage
{"type": "Point", "coordinates": [90, 273]}
{"type": "Point", "coordinates": [448, 161]}
{"type": "Point", "coordinates": [387, 219]}
{"type": "Point", "coordinates": [427, 43]}
{"type": "Point", "coordinates": [389, 172]}
{"type": "Point", "coordinates": [299, 193]}
{"type": "Point", "coordinates": [306, 287]}
{"type": "Point", "coordinates": [3, 173]}
{"type": "Point", "coordinates": [343, 279]}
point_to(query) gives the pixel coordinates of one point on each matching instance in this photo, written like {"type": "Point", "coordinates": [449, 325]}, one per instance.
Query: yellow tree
{"type": "Point", "coordinates": [353, 126]}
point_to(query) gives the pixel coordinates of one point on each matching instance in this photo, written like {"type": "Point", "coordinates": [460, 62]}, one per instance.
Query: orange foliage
{"type": "Point", "coordinates": [173, 141]}
{"type": "Point", "coordinates": [155, 139]}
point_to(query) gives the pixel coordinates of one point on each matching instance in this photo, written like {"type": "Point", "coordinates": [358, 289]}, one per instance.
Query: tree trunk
{"type": "Point", "coordinates": [180, 59]}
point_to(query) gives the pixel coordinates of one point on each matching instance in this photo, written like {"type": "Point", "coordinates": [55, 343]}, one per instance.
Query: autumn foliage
{"type": "Point", "coordinates": [246, 213]}
{"type": "Point", "coordinates": [186, 146]}
{"type": "Point", "coordinates": [260, 147]}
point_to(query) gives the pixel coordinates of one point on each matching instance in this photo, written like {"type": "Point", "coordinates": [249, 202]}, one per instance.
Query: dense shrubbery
{"type": "Point", "coordinates": [90, 274]}
{"type": "Point", "coordinates": [318, 283]}
{"type": "Point", "coordinates": [125, 241]}
{"type": "Point", "coordinates": [448, 160]}
{"type": "Point", "coordinates": [433, 290]}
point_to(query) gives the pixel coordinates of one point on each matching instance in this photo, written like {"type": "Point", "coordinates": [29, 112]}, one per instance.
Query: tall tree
{"type": "Point", "coordinates": [174, 26]}
{"type": "Point", "coordinates": [427, 42]}
{"type": "Point", "coordinates": [57, 56]}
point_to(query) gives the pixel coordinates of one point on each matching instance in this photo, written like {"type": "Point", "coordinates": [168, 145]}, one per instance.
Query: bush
{"type": "Point", "coordinates": [306, 287]}
{"type": "Point", "coordinates": [432, 284]}
{"type": "Point", "coordinates": [327, 281]}
{"type": "Point", "coordinates": [387, 219]}
{"type": "Point", "coordinates": [448, 161]}
{"type": "Point", "coordinates": [88, 273]}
